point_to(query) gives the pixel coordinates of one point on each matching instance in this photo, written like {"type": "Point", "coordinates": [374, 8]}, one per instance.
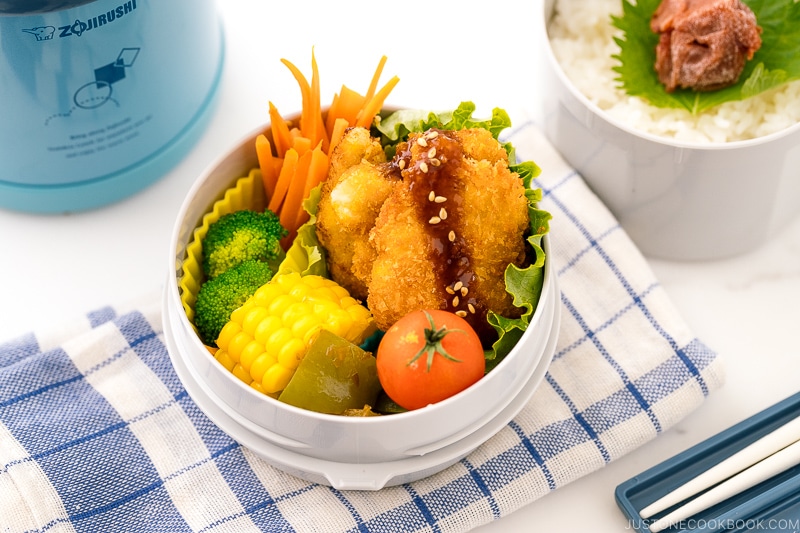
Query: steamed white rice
{"type": "Point", "coordinates": [583, 44]}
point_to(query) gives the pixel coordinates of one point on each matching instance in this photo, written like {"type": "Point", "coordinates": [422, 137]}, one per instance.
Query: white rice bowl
{"type": "Point", "coordinates": [583, 43]}
{"type": "Point", "coordinates": [683, 187]}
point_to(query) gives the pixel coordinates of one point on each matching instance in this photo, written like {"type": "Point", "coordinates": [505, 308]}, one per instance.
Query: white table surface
{"type": "Point", "coordinates": [746, 308]}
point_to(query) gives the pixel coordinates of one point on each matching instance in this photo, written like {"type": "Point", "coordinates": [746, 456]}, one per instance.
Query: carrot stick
{"type": "Point", "coordinates": [317, 170]}
{"type": "Point", "coordinates": [374, 83]}
{"type": "Point", "coordinates": [267, 164]}
{"type": "Point", "coordinates": [284, 178]}
{"type": "Point", "coordinates": [277, 164]}
{"type": "Point", "coordinates": [349, 104]}
{"type": "Point", "coordinates": [338, 132]}
{"type": "Point", "coordinates": [333, 109]}
{"type": "Point", "coordinates": [290, 167]}
{"type": "Point", "coordinates": [302, 218]}
{"type": "Point", "coordinates": [280, 131]}
{"type": "Point", "coordinates": [375, 104]}
{"type": "Point", "coordinates": [305, 91]}
{"type": "Point", "coordinates": [301, 144]}
{"type": "Point", "coordinates": [311, 128]}
{"type": "Point", "coordinates": [317, 130]}
{"type": "Point", "coordinates": [294, 196]}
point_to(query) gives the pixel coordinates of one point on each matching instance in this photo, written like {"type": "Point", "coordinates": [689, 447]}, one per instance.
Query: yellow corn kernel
{"type": "Point", "coordinates": [276, 378]}
{"type": "Point", "coordinates": [296, 311]}
{"type": "Point", "coordinates": [250, 353]}
{"type": "Point", "coordinates": [238, 314]}
{"type": "Point", "coordinates": [266, 338]}
{"type": "Point", "coordinates": [267, 326]}
{"type": "Point", "coordinates": [228, 332]}
{"type": "Point", "coordinates": [257, 386]}
{"type": "Point", "coordinates": [261, 364]}
{"type": "Point", "coordinates": [340, 292]}
{"type": "Point", "coordinates": [305, 326]}
{"type": "Point", "coordinates": [242, 374]}
{"type": "Point", "coordinates": [347, 301]}
{"type": "Point", "coordinates": [325, 294]}
{"type": "Point", "coordinates": [265, 294]}
{"type": "Point", "coordinates": [253, 318]}
{"type": "Point", "coordinates": [237, 344]}
{"type": "Point", "coordinates": [358, 314]}
{"type": "Point", "coordinates": [300, 291]}
{"type": "Point", "coordinates": [225, 360]}
{"type": "Point", "coordinates": [277, 340]}
{"type": "Point", "coordinates": [289, 356]}
{"type": "Point", "coordinates": [280, 304]}
{"type": "Point", "coordinates": [339, 322]}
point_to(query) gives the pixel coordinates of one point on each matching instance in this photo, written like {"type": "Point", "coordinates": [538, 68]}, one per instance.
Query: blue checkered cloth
{"type": "Point", "coordinates": [97, 433]}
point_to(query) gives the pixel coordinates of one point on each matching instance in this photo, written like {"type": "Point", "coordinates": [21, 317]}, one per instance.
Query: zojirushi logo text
{"type": "Point", "coordinates": [79, 27]}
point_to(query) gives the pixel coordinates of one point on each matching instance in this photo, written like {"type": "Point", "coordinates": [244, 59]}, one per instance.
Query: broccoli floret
{"type": "Point", "coordinates": [243, 235]}
{"type": "Point", "coordinates": [220, 296]}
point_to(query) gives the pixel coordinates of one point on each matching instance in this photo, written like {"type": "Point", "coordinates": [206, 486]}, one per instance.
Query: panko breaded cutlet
{"type": "Point", "coordinates": [453, 217]}
{"type": "Point", "coordinates": [351, 197]}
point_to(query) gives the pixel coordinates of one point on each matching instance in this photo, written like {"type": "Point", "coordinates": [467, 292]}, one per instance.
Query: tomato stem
{"type": "Point", "coordinates": [433, 343]}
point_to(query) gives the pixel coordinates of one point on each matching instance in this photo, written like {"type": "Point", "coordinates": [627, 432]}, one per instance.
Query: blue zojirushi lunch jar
{"type": "Point", "coordinates": [99, 99]}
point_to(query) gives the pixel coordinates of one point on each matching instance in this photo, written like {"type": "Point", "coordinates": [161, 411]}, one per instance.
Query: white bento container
{"type": "Point", "coordinates": [345, 452]}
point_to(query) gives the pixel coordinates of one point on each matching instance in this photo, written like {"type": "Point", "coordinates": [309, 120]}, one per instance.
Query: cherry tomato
{"type": "Point", "coordinates": [428, 356]}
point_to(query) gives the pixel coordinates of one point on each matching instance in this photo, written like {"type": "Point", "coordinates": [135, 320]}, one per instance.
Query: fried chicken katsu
{"type": "Point", "coordinates": [434, 228]}
{"type": "Point", "coordinates": [356, 187]}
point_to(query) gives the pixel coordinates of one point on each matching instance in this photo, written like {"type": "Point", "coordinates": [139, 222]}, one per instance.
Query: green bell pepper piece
{"type": "Point", "coordinates": [335, 375]}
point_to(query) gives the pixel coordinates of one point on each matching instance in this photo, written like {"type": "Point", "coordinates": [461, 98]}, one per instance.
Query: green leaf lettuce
{"type": "Point", "coordinates": [306, 255]}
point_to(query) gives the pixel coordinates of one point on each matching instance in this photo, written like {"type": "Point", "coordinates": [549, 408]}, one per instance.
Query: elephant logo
{"type": "Point", "coordinates": [42, 33]}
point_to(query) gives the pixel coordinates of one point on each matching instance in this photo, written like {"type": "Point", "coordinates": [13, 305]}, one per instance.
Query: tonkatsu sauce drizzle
{"type": "Point", "coordinates": [429, 163]}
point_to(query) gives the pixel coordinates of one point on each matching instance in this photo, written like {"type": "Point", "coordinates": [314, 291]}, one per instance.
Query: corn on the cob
{"type": "Point", "coordinates": [266, 338]}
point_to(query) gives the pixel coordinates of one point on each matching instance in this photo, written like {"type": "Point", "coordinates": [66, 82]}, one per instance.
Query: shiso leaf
{"type": "Point", "coordinates": [761, 80]}
{"type": "Point", "coordinates": [774, 64]}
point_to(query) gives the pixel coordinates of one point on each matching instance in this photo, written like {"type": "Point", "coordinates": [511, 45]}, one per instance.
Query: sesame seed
{"type": "Point", "coordinates": [456, 301]}
{"type": "Point", "coordinates": [458, 286]}
{"type": "Point", "coordinates": [422, 142]}
{"type": "Point", "coordinates": [471, 308]}
{"type": "Point", "coordinates": [432, 153]}
{"type": "Point", "coordinates": [432, 134]}
{"type": "Point", "coordinates": [435, 220]}
{"type": "Point", "coordinates": [464, 291]}
{"type": "Point", "coordinates": [435, 162]}
{"type": "Point", "coordinates": [449, 290]}
{"type": "Point", "coordinates": [402, 164]}
{"type": "Point", "coordinates": [452, 236]}
{"type": "Point", "coordinates": [423, 167]}
{"type": "Point", "coordinates": [440, 199]}
{"type": "Point", "coordinates": [461, 313]}
{"type": "Point", "coordinates": [443, 213]}
{"type": "Point", "coordinates": [432, 196]}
